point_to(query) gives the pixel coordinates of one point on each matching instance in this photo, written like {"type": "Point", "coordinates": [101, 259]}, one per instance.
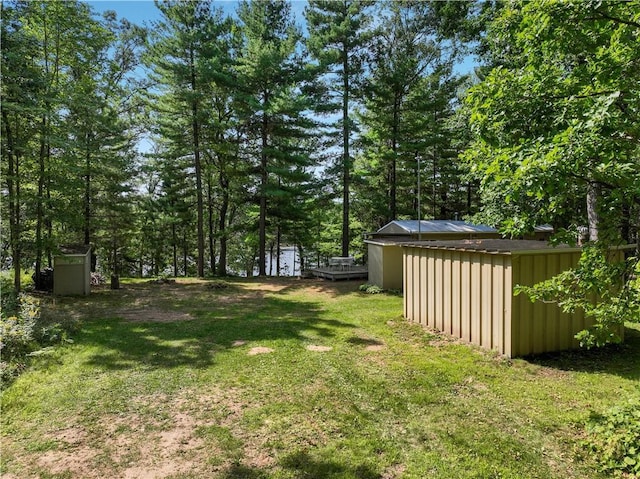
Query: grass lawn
{"type": "Point", "coordinates": [295, 379]}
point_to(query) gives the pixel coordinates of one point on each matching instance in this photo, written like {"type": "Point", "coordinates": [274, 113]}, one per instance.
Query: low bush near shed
{"type": "Point", "coordinates": [24, 332]}
{"type": "Point", "coordinates": [17, 324]}
{"type": "Point", "coordinates": [614, 439]}
{"type": "Point", "coordinates": [371, 289]}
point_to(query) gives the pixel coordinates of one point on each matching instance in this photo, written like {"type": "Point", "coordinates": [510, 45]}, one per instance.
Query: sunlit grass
{"type": "Point", "coordinates": [162, 378]}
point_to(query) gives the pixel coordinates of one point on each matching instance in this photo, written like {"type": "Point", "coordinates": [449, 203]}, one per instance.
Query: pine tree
{"type": "Point", "coordinates": [183, 48]}
{"type": "Point", "coordinates": [270, 72]}
{"type": "Point", "coordinates": [337, 39]}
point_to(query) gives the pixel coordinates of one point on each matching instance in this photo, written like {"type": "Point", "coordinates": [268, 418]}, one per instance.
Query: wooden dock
{"type": "Point", "coordinates": [334, 274]}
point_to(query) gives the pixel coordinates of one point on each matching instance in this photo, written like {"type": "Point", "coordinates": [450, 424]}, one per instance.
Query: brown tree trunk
{"type": "Point", "coordinates": [13, 186]}
{"type": "Point", "coordinates": [346, 158]}
{"type": "Point", "coordinates": [264, 178]}
{"type": "Point", "coordinates": [198, 168]}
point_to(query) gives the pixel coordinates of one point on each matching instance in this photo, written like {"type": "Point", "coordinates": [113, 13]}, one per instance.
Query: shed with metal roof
{"type": "Point", "coordinates": [384, 247]}
{"type": "Point", "coordinates": [466, 289]}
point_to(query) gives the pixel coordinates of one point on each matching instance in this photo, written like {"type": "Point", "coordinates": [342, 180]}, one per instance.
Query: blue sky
{"type": "Point", "coordinates": [145, 11]}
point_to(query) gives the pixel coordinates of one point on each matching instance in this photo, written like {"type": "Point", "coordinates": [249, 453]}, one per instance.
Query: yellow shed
{"type": "Point", "coordinates": [385, 263]}
{"type": "Point", "coordinates": [384, 247]}
{"type": "Point", "coordinates": [72, 271]}
{"type": "Point", "coordinates": [466, 289]}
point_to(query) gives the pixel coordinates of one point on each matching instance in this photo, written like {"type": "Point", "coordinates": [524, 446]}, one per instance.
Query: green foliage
{"type": "Point", "coordinates": [370, 288]}
{"type": "Point", "coordinates": [18, 320]}
{"type": "Point", "coordinates": [24, 331]}
{"type": "Point", "coordinates": [17, 327]}
{"type": "Point", "coordinates": [613, 439]}
{"type": "Point", "coordinates": [607, 291]}
{"type": "Point", "coordinates": [556, 115]}
{"type": "Point", "coordinates": [410, 97]}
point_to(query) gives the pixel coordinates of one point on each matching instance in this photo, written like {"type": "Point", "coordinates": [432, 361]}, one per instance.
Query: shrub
{"type": "Point", "coordinates": [614, 439]}
{"type": "Point", "coordinates": [17, 324]}
{"type": "Point", "coordinates": [24, 331]}
{"type": "Point", "coordinates": [217, 284]}
{"type": "Point", "coordinates": [371, 288]}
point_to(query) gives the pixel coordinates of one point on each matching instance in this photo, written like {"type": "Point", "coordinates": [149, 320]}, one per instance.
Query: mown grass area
{"type": "Point", "coordinates": [295, 379]}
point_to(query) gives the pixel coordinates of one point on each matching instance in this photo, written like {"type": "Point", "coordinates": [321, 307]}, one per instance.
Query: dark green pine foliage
{"type": "Point", "coordinates": [225, 173]}
{"type": "Point", "coordinates": [338, 36]}
{"type": "Point", "coordinates": [409, 102]}
{"type": "Point", "coordinates": [404, 53]}
{"type": "Point", "coordinates": [273, 107]}
{"type": "Point", "coordinates": [103, 112]}
{"type": "Point", "coordinates": [183, 53]}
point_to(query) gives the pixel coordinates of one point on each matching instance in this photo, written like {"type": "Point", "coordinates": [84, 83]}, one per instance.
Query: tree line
{"type": "Point", "coordinates": [261, 132]}
{"type": "Point", "coordinates": [257, 134]}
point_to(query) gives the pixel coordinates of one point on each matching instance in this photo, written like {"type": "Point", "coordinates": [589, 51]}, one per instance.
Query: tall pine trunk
{"type": "Point", "coordinates": [87, 195]}
{"type": "Point", "coordinates": [264, 178]}
{"type": "Point", "coordinates": [346, 163]}
{"type": "Point", "coordinates": [198, 167]}
{"type": "Point", "coordinates": [393, 186]}
{"type": "Point", "coordinates": [224, 208]}
{"type": "Point", "coordinates": [39, 201]}
{"type": "Point", "coordinates": [212, 242]}
{"type": "Point", "coordinates": [13, 187]}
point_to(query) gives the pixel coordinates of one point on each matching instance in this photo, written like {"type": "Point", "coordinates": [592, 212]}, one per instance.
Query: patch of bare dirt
{"type": "Point", "coordinates": [260, 350]}
{"type": "Point", "coordinates": [70, 436]}
{"type": "Point", "coordinates": [321, 349]}
{"type": "Point", "coordinates": [394, 471]}
{"type": "Point", "coordinates": [77, 461]}
{"type": "Point", "coordinates": [154, 445]}
{"type": "Point", "coordinates": [375, 347]}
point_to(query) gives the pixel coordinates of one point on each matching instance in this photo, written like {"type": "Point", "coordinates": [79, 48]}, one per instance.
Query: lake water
{"type": "Point", "coordinates": [289, 262]}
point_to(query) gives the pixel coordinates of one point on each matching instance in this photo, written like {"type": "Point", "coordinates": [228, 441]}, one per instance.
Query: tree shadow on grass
{"type": "Point", "coordinates": [215, 330]}
{"type": "Point", "coordinates": [303, 465]}
{"type": "Point", "coordinates": [360, 341]}
{"type": "Point", "coordinates": [617, 359]}
{"type": "Point", "coordinates": [240, 471]}
{"type": "Point", "coordinates": [330, 288]}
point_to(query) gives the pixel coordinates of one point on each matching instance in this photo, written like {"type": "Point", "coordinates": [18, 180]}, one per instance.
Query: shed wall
{"type": "Point", "coordinates": [72, 275]}
{"type": "Point", "coordinates": [542, 327]}
{"type": "Point", "coordinates": [385, 265]}
{"type": "Point", "coordinates": [375, 264]}
{"type": "Point", "coordinates": [469, 295]}
{"type": "Point", "coordinates": [460, 293]}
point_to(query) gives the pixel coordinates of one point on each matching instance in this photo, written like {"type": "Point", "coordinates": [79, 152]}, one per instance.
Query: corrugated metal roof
{"type": "Point", "coordinates": [432, 226]}
{"type": "Point", "coordinates": [75, 249]}
{"type": "Point", "coordinates": [496, 246]}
